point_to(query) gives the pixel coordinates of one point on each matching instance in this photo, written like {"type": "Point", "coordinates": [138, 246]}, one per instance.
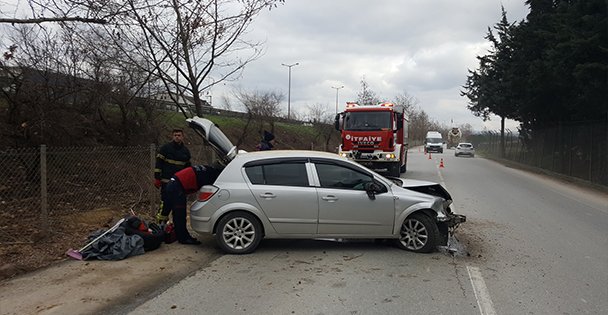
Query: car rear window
{"type": "Point", "coordinates": [465, 145]}
{"type": "Point", "coordinates": [283, 174]}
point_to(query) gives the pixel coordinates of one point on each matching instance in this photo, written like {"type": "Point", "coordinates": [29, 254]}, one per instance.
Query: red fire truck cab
{"type": "Point", "coordinates": [375, 136]}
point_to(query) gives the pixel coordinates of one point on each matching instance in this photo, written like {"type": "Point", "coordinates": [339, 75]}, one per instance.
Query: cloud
{"type": "Point", "coordinates": [422, 47]}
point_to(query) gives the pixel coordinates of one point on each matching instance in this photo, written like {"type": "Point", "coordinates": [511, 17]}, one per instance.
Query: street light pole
{"type": "Point", "coordinates": [289, 89]}
{"type": "Point", "coordinates": [337, 88]}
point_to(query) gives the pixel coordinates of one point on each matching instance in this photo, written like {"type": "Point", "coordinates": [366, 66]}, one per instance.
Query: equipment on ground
{"type": "Point", "coordinates": [375, 136]}
{"type": "Point", "coordinates": [77, 254]}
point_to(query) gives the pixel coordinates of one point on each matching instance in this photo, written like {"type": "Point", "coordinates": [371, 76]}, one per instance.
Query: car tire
{"type": "Point", "coordinates": [418, 233]}
{"type": "Point", "coordinates": [238, 233]}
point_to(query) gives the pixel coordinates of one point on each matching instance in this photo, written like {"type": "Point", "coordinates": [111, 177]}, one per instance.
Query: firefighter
{"type": "Point", "coordinates": [267, 142]}
{"type": "Point", "coordinates": [184, 182]}
{"type": "Point", "coordinates": [171, 158]}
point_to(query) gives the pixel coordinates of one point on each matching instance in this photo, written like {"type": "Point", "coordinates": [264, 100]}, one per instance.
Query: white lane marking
{"type": "Point", "coordinates": [486, 307]}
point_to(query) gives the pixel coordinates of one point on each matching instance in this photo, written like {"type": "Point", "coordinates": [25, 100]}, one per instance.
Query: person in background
{"type": "Point", "coordinates": [267, 142]}
{"type": "Point", "coordinates": [184, 182]}
{"type": "Point", "coordinates": [171, 158]}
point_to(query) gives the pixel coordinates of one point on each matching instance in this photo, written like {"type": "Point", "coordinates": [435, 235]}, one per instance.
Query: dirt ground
{"type": "Point", "coordinates": [103, 287]}
{"type": "Point", "coordinates": [43, 250]}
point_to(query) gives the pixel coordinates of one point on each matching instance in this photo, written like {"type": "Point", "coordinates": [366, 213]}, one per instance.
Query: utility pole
{"type": "Point", "coordinates": [337, 88]}
{"type": "Point", "coordinates": [289, 89]}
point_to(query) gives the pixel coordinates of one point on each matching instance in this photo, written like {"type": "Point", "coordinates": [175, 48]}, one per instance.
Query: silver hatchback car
{"type": "Point", "coordinates": [309, 194]}
{"type": "Point", "coordinates": [464, 148]}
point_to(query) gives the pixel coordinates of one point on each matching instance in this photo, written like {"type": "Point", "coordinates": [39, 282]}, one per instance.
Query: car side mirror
{"type": "Point", "coordinates": [338, 121]}
{"type": "Point", "coordinates": [372, 188]}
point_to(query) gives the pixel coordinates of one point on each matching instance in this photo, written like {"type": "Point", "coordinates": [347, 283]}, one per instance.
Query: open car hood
{"type": "Point", "coordinates": [213, 136]}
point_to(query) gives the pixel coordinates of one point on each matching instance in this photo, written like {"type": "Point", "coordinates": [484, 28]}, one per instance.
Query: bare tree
{"type": "Point", "coordinates": [57, 11]}
{"type": "Point", "coordinates": [51, 95]}
{"type": "Point", "coordinates": [192, 45]}
{"type": "Point", "coordinates": [467, 131]}
{"type": "Point", "coordinates": [262, 108]}
{"type": "Point", "coordinates": [322, 120]}
{"type": "Point", "coordinates": [420, 123]}
{"type": "Point", "coordinates": [367, 96]}
{"type": "Point", "coordinates": [407, 101]}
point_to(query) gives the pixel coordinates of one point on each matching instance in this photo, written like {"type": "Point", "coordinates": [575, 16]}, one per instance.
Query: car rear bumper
{"type": "Point", "coordinates": [465, 152]}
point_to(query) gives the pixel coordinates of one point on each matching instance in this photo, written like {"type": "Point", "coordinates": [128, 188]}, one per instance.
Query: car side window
{"type": "Point", "coordinates": [340, 177]}
{"type": "Point", "coordinates": [282, 174]}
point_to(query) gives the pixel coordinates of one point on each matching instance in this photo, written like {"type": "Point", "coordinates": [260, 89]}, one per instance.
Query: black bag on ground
{"type": "Point", "coordinates": [115, 245]}
{"type": "Point", "coordinates": [152, 234]}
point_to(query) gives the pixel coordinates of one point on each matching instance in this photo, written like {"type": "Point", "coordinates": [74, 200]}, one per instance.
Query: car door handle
{"type": "Point", "coordinates": [330, 198]}
{"type": "Point", "coordinates": [268, 195]}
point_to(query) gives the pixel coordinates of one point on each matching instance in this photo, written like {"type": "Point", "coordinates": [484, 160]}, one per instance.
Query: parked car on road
{"type": "Point", "coordinates": [309, 194]}
{"type": "Point", "coordinates": [464, 148]}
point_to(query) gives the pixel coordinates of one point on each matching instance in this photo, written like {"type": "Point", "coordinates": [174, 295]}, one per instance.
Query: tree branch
{"type": "Point", "coordinates": [56, 19]}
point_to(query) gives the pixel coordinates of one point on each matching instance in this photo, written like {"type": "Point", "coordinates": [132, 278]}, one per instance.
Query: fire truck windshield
{"type": "Point", "coordinates": [367, 121]}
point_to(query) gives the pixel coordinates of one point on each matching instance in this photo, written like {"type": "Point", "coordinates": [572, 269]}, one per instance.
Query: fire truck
{"type": "Point", "coordinates": [375, 136]}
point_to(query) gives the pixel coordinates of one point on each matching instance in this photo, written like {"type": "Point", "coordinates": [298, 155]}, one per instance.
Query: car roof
{"type": "Point", "coordinates": [465, 143]}
{"type": "Point", "coordinates": [257, 155]}
{"type": "Point", "coordinates": [243, 159]}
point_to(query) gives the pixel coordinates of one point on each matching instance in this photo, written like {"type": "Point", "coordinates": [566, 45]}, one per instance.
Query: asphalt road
{"type": "Point", "coordinates": [532, 245]}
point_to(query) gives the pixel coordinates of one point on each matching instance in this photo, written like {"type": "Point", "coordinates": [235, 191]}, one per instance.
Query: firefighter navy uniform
{"type": "Point", "coordinates": [171, 158]}
{"type": "Point", "coordinates": [184, 182]}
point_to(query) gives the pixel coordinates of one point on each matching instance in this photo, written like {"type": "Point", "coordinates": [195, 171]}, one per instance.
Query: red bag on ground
{"type": "Point", "coordinates": [170, 236]}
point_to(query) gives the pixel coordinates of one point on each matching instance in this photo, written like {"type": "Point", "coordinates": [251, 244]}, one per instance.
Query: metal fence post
{"type": "Point", "coordinates": [591, 150]}
{"type": "Point", "coordinates": [152, 166]}
{"type": "Point", "coordinates": [44, 211]}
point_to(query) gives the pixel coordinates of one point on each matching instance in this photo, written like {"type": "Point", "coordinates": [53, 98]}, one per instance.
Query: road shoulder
{"type": "Point", "coordinates": [108, 287]}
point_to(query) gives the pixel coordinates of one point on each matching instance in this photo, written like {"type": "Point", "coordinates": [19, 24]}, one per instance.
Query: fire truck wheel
{"type": "Point", "coordinates": [394, 169]}
{"type": "Point", "coordinates": [403, 168]}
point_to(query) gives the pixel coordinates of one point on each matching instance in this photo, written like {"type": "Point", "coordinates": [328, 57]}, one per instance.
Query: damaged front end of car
{"type": "Point", "coordinates": [447, 221]}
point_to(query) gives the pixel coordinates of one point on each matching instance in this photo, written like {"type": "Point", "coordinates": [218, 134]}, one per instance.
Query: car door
{"type": "Point", "coordinates": [283, 192]}
{"type": "Point", "coordinates": [345, 207]}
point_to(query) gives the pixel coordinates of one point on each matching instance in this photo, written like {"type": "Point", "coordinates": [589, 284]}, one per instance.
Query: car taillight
{"type": "Point", "coordinates": [206, 192]}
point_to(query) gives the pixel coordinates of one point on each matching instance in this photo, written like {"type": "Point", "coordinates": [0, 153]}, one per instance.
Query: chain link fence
{"type": "Point", "coordinates": [577, 150]}
{"type": "Point", "coordinates": [40, 187]}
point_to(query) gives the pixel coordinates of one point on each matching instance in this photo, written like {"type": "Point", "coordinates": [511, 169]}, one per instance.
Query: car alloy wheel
{"type": "Point", "coordinates": [419, 233]}
{"type": "Point", "coordinates": [238, 233]}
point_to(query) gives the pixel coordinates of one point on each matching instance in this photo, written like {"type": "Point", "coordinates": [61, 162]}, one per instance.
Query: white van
{"type": "Point", "coordinates": [434, 142]}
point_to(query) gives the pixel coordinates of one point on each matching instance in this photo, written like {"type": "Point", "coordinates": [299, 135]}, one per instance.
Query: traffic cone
{"type": "Point", "coordinates": [429, 155]}
{"type": "Point", "coordinates": [441, 163]}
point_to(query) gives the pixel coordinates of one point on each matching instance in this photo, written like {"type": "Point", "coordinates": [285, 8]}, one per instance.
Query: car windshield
{"type": "Point", "coordinates": [433, 140]}
{"type": "Point", "coordinates": [367, 121]}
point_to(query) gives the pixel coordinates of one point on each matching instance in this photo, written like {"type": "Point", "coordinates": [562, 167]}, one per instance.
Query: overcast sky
{"type": "Point", "coordinates": [422, 47]}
